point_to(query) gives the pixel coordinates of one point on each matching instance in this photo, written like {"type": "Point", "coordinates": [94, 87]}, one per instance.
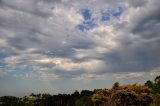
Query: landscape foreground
{"type": "Point", "coordinates": [119, 95]}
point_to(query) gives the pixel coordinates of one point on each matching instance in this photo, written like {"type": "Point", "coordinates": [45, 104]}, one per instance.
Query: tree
{"type": "Point", "coordinates": [149, 83]}
{"type": "Point", "coordinates": [115, 85]}
{"type": "Point", "coordinates": [84, 101]}
{"type": "Point", "coordinates": [100, 97]}
{"type": "Point", "coordinates": [155, 87]}
{"type": "Point", "coordinates": [10, 101]}
{"type": "Point", "coordinates": [157, 80]}
{"type": "Point", "coordinates": [126, 95]}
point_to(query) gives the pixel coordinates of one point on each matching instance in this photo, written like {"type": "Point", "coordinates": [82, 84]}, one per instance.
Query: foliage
{"type": "Point", "coordinates": [155, 89]}
{"type": "Point", "coordinates": [10, 101]}
{"type": "Point", "coordinates": [157, 80]}
{"type": "Point", "coordinates": [126, 95]}
{"type": "Point", "coordinates": [119, 95]}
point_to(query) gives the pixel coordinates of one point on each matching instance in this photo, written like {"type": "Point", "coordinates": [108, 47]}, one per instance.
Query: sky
{"type": "Point", "coordinates": [59, 46]}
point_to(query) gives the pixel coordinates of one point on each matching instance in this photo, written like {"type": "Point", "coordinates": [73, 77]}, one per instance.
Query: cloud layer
{"type": "Point", "coordinates": [67, 39]}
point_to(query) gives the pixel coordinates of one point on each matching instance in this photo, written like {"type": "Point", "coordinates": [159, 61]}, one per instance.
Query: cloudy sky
{"type": "Point", "coordinates": [58, 46]}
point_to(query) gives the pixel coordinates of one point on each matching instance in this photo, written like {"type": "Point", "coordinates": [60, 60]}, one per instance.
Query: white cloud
{"type": "Point", "coordinates": [155, 72]}
{"type": "Point", "coordinates": [130, 75]}
{"type": "Point", "coordinates": [30, 28]}
{"type": "Point", "coordinates": [71, 15]}
{"type": "Point", "coordinates": [90, 77]}
{"type": "Point", "coordinates": [105, 36]}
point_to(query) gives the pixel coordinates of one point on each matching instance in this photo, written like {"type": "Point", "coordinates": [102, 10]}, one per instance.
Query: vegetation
{"type": "Point", "coordinates": [126, 95]}
{"type": "Point", "coordinates": [119, 95]}
{"type": "Point", "coordinates": [155, 90]}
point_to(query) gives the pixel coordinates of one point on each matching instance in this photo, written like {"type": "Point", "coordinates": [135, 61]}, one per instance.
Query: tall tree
{"type": "Point", "coordinates": [157, 80]}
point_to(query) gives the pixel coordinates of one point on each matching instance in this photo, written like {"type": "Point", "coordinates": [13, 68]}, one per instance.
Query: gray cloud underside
{"type": "Point", "coordinates": [43, 34]}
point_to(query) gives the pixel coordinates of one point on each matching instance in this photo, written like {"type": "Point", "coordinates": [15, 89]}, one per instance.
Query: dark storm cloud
{"type": "Point", "coordinates": [148, 27]}
{"type": "Point", "coordinates": [133, 58]}
{"type": "Point", "coordinates": [148, 17]}
{"type": "Point", "coordinates": [141, 54]}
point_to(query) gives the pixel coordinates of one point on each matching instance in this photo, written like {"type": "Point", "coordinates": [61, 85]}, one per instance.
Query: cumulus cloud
{"type": "Point", "coordinates": [77, 40]}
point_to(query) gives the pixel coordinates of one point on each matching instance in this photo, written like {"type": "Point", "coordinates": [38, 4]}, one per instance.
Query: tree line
{"type": "Point", "coordinates": [147, 94]}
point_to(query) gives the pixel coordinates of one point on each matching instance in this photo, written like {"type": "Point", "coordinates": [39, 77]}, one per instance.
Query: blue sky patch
{"type": "Point", "coordinates": [86, 25]}
{"type": "Point", "coordinates": [88, 22]}
{"type": "Point", "coordinates": [2, 64]}
{"type": "Point", "coordinates": [105, 16]}
{"type": "Point", "coordinates": [87, 14]}
{"type": "Point", "coordinates": [117, 12]}
{"type": "Point", "coordinates": [2, 56]}
{"type": "Point", "coordinates": [24, 69]}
